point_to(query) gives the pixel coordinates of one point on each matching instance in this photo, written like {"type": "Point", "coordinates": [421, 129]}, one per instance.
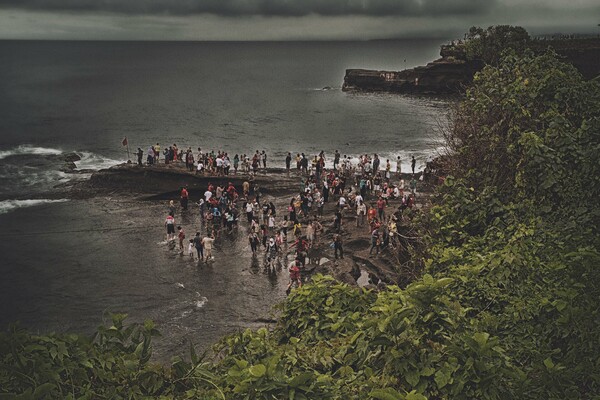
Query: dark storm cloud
{"type": "Point", "coordinates": [262, 7]}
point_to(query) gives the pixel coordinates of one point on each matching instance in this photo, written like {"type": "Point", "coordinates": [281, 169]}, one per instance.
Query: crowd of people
{"type": "Point", "coordinates": [362, 189]}
{"type": "Point", "coordinates": [219, 163]}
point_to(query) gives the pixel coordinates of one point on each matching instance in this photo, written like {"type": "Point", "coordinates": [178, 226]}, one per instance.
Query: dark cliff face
{"type": "Point", "coordinates": [452, 73]}
{"type": "Point", "coordinates": [438, 77]}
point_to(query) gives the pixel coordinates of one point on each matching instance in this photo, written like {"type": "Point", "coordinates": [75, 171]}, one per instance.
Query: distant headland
{"type": "Point", "coordinates": [462, 59]}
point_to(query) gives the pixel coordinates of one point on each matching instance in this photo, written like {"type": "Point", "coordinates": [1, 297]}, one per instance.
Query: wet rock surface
{"type": "Point", "coordinates": [163, 182]}
{"type": "Point", "coordinates": [443, 76]}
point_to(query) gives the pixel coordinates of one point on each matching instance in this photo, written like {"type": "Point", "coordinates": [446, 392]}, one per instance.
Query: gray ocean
{"type": "Point", "coordinates": [66, 262]}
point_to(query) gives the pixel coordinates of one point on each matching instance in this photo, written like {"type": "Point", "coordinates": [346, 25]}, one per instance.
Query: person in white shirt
{"type": "Point", "coordinates": [358, 199]}
{"type": "Point", "coordinates": [271, 223]}
{"type": "Point", "coordinates": [207, 195]}
{"type": "Point", "coordinates": [207, 243]}
{"type": "Point", "coordinates": [342, 202]}
{"type": "Point", "coordinates": [219, 166]}
{"type": "Point", "coordinates": [361, 213]}
{"type": "Point", "coordinates": [310, 232]}
{"type": "Point", "coordinates": [170, 224]}
{"type": "Point", "coordinates": [249, 211]}
{"type": "Point", "coordinates": [191, 248]}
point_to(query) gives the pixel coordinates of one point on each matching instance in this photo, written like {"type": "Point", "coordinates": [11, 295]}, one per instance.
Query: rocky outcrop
{"type": "Point", "coordinates": [162, 181]}
{"type": "Point", "coordinates": [452, 73]}
{"type": "Point", "coordinates": [445, 75]}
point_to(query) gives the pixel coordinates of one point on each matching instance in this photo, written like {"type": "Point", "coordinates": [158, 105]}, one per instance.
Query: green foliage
{"type": "Point", "coordinates": [489, 44]}
{"type": "Point", "coordinates": [517, 228]}
{"type": "Point", "coordinates": [392, 344]}
{"type": "Point", "coordinates": [113, 364]}
{"type": "Point", "coordinates": [528, 130]}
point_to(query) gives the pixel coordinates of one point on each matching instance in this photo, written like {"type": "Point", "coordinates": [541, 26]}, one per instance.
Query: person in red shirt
{"type": "Point", "coordinates": [381, 208]}
{"type": "Point", "coordinates": [184, 198]}
{"type": "Point", "coordinates": [295, 276]}
{"type": "Point", "coordinates": [301, 245]}
{"type": "Point", "coordinates": [232, 192]}
{"type": "Point", "coordinates": [371, 214]}
{"type": "Point", "coordinates": [170, 224]}
{"type": "Point", "coordinates": [181, 236]}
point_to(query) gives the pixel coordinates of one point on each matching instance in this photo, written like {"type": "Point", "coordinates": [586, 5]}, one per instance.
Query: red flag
{"type": "Point", "coordinates": [124, 142]}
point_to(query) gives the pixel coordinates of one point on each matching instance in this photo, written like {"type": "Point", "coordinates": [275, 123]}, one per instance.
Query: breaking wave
{"type": "Point", "coordinates": [29, 150]}
{"type": "Point", "coordinates": [10, 205]}
{"type": "Point", "coordinates": [95, 161]}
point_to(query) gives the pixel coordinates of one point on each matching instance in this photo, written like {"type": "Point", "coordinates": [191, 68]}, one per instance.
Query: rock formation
{"type": "Point", "coordinates": [453, 72]}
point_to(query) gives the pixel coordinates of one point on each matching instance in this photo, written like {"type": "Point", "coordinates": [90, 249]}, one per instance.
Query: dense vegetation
{"type": "Point", "coordinates": [488, 44]}
{"type": "Point", "coordinates": [508, 306]}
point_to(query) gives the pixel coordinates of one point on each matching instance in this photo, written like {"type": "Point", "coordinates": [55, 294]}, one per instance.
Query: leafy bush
{"type": "Point", "coordinates": [113, 364]}
{"type": "Point", "coordinates": [488, 44]}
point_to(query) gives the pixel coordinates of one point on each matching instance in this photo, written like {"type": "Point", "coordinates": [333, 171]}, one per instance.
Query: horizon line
{"type": "Point", "coordinates": [444, 37]}
{"type": "Point", "coordinates": [226, 40]}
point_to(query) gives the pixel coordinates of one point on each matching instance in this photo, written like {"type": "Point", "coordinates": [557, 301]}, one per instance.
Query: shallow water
{"type": "Point", "coordinates": [66, 264]}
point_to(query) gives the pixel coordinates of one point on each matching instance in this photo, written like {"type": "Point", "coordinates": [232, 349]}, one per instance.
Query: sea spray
{"type": "Point", "coordinates": [10, 205]}
{"type": "Point", "coordinates": [25, 149]}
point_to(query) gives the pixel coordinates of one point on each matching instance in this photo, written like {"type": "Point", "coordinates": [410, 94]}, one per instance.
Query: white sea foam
{"type": "Point", "coordinates": [88, 160]}
{"type": "Point", "coordinates": [95, 161]}
{"type": "Point", "coordinates": [31, 176]}
{"type": "Point", "coordinates": [201, 302]}
{"type": "Point", "coordinates": [28, 150]}
{"type": "Point", "coordinates": [10, 205]}
{"type": "Point", "coordinates": [421, 156]}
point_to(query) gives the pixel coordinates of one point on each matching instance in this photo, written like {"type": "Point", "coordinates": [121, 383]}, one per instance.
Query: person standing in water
{"type": "Point", "coordinates": [199, 248]}
{"type": "Point", "coordinates": [413, 164]}
{"type": "Point", "coordinates": [184, 198]}
{"type": "Point", "coordinates": [181, 236]}
{"type": "Point", "coordinates": [254, 242]}
{"type": "Point", "coordinates": [191, 248]}
{"type": "Point", "coordinates": [170, 224]}
{"type": "Point", "coordinates": [207, 243]}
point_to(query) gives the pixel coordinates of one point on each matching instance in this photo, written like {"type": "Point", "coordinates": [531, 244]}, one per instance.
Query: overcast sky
{"type": "Point", "coordinates": [284, 19]}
